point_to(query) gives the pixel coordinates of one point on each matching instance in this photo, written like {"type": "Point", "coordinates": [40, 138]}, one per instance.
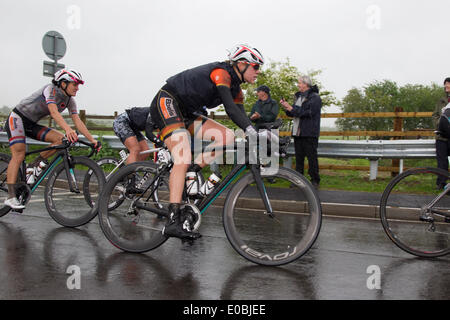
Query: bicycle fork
{"type": "Point", "coordinates": [255, 169]}
{"type": "Point", "coordinates": [69, 167]}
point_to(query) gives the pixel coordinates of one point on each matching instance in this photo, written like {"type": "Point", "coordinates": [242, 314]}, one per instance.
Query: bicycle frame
{"type": "Point", "coordinates": [429, 207]}
{"type": "Point", "coordinates": [205, 203]}
{"type": "Point", "coordinates": [62, 154]}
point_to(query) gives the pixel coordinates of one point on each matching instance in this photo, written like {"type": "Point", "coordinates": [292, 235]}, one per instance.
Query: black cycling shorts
{"type": "Point", "coordinates": [18, 127]}
{"type": "Point", "coordinates": [167, 115]}
{"type": "Point", "coordinates": [123, 130]}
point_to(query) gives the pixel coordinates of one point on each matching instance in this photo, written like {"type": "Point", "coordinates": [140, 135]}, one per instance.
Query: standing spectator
{"type": "Point", "coordinates": [442, 134]}
{"type": "Point", "coordinates": [306, 126]}
{"type": "Point", "coordinates": [265, 110]}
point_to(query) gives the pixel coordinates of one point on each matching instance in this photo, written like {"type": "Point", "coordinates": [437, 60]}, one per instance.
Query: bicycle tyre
{"type": "Point", "coordinates": [84, 210]}
{"type": "Point", "coordinates": [401, 207]}
{"type": "Point", "coordinates": [105, 162]}
{"type": "Point", "coordinates": [137, 231]}
{"type": "Point", "coordinates": [4, 162]}
{"type": "Point", "coordinates": [249, 230]}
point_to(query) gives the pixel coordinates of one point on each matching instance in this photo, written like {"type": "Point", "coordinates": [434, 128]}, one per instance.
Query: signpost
{"type": "Point", "coordinates": [54, 46]}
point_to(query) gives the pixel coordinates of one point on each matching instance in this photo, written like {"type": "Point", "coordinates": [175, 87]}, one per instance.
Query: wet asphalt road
{"type": "Point", "coordinates": [35, 254]}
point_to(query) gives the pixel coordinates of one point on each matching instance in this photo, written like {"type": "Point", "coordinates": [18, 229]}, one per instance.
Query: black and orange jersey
{"type": "Point", "coordinates": [221, 77]}
{"type": "Point", "coordinates": [196, 87]}
{"type": "Point", "coordinates": [200, 86]}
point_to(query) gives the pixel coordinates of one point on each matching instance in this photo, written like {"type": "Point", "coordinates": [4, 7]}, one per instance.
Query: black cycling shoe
{"type": "Point", "coordinates": [176, 229]}
{"type": "Point", "coordinates": [133, 190]}
{"type": "Point", "coordinates": [178, 226]}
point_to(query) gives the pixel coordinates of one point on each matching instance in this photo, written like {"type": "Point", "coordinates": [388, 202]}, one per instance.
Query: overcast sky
{"type": "Point", "coordinates": [127, 49]}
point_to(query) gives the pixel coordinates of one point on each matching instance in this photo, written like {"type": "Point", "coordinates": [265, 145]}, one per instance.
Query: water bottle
{"type": "Point", "coordinates": [30, 175]}
{"type": "Point", "coordinates": [209, 184]}
{"type": "Point", "coordinates": [191, 183]}
{"type": "Point", "coordinates": [39, 168]}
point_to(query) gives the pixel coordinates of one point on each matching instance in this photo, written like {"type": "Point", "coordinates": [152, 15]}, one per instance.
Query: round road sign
{"type": "Point", "coordinates": [54, 45]}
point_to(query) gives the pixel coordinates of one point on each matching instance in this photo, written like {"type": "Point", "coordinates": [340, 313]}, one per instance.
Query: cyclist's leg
{"type": "Point", "coordinates": [143, 147]}
{"type": "Point", "coordinates": [179, 146]}
{"type": "Point", "coordinates": [45, 134]}
{"type": "Point", "coordinates": [132, 144]}
{"type": "Point", "coordinates": [128, 136]}
{"type": "Point", "coordinates": [54, 137]}
{"type": "Point", "coordinates": [17, 156]}
{"type": "Point", "coordinates": [210, 130]}
{"type": "Point", "coordinates": [167, 116]}
{"type": "Point", "coordinates": [16, 135]}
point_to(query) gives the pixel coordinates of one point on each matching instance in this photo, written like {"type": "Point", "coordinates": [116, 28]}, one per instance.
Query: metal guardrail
{"type": "Point", "coordinates": [374, 150]}
{"type": "Point", "coordinates": [368, 149]}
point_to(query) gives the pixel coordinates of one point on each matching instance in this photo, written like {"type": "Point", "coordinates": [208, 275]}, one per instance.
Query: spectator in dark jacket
{"type": "Point", "coordinates": [265, 110]}
{"type": "Point", "coordinates": [306, 126]}
{"type": "Point", "coordinates": [443, 133]}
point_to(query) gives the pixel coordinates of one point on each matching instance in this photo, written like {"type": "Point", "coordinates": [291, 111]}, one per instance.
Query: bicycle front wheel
{"type": "Point", "coordinates": [4, 162]}
{"type": "Point", "coordinates": [283, 237]}
{"type": "Point", "coordinates": [126, 226]}
{"type": "Point", "coordinates": [74, 207]}
{"type": "Point", "coordinates": [409, 196]}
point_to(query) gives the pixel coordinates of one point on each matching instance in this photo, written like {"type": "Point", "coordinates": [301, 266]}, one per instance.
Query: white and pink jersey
{"type": "Point", "coordinates": [35, 107]}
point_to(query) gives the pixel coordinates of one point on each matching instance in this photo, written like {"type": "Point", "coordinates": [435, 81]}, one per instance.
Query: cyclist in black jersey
{"type": "Point", "coordinates": [128, 126]}
{"type": "Point", "coordinates": [175, 108]}
{"type": "Point", "coordinates": [51, 100]}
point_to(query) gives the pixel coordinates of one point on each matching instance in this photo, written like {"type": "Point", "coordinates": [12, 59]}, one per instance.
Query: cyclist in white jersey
{"type": "Point", "coordinates": [22, 122]}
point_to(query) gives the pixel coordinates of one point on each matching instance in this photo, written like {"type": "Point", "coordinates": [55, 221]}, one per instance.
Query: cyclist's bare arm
{"type": "Point", "coordinates": [54, 113]}
{"type": "Point", "coordinates": [82, 128]}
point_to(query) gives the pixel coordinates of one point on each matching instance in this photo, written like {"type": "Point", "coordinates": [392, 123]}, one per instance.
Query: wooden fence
{"type": "Point", "coordinates": [397, 133]}
{"type": "Point", "coordinates": [398, 118]}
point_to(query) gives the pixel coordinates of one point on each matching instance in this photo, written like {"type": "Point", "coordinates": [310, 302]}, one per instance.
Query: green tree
{"type": "Point", "coordinates": [5, 110]}
{"type": "Point", "coordinates": [282, 79]}
{"type": "Point", "coordinates": [385, 96]}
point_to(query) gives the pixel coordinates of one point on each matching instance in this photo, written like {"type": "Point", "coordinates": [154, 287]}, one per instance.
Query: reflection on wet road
{"type": "Point", "coordinates": [35, 254]}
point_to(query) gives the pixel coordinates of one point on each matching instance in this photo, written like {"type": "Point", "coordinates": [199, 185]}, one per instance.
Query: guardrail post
{"type": "Point", "coordinates": [398, 127]}
{"type": "Point", "coordinates": [83, 116]}
{"type": "Point", "coordinates": [373, 169]}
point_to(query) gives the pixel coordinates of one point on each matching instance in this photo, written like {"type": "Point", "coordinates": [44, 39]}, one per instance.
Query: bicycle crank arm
{"type": "Point", "coordinates": [159, 212]}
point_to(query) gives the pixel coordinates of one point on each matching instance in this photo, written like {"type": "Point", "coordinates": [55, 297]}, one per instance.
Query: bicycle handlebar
{"type": "Point", "coordinates": [67, 144]}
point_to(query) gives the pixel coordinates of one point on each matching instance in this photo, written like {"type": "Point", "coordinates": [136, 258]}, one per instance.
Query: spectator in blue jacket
{"type": "Point", "coordinates": [306, 126]}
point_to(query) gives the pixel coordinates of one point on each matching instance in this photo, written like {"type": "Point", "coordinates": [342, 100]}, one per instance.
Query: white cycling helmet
{"type": "Point", "coordinates": [247, 53]}
{"type": "Point", "coordinates": [69, 75]}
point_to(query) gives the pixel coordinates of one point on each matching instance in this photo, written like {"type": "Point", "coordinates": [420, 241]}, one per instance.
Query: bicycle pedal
{"type": "Point", "coordinates": [427, 219]}
{"type": "Point", "coordinates": [19, 211]}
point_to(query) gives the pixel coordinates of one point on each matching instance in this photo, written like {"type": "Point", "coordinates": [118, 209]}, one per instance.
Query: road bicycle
{"type": "Point", "coordinates": [72, 187]}
{"type": "Point", "coordinates": [415, 214]}
{"type": "Point", "coordinates": [277, 225]}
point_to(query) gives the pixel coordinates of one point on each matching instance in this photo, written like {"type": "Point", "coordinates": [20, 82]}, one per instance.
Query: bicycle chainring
{"type": "Point", "coordinates": [192, 215]}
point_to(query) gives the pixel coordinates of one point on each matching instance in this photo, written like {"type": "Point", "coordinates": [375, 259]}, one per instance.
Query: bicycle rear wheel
{"type": "Point", "coordinates": [127, 227]}
{"type": "Point", "coordinates": [72, 208]}
{"type": "Point", "coordinates": [403, 202]}
{"type": "Point", "coordinates": [280, 239]}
